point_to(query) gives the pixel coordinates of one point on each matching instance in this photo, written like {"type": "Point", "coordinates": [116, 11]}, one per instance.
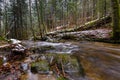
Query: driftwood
{"type": "Point", "coordinates": [57, 67]}
{"type": "Point", "coordinates": [59, 71]}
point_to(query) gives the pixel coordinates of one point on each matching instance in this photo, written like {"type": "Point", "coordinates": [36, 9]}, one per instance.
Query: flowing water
{"type": "Point", "coordinates": [101, 61]}
{"type": "Point", "coordinates": [50, 47]}
{"type": "Point", "coordinates": [94, 60]}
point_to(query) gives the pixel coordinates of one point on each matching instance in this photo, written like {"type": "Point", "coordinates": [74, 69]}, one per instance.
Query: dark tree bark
{"type": "Point", "coordinates": [39, 21]}
{"type": "Point", "coordinates": [31, 22]}
{"type": "Point", "coordinates": [18, 9]}
{"type": "Point", "coordinates": [0, 17]}
{"type": "Point", "coordinates": [116, 19]}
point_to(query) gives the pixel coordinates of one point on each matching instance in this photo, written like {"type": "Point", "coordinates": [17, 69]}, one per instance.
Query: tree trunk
{"type": "Point", "coordinates": [39, 21]}
{"type": "Point", "coordinates": [0, 27]}
{"type": "Point", "coordinates": [31, 22]}
{"type": "Point", "coordinates": [116, 20]}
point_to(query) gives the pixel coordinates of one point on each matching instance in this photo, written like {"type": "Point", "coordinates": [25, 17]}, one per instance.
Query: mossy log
{"type": "Point", "coordinates": [92, 24]}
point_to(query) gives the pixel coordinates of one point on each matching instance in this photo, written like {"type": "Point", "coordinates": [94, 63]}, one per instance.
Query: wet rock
{"type": "Point", "coordinates": [14, 41]}
{"type": "Point", "coordinates": [18, 52]}
{"type": "Point", "coordinates": [34, 69]}
{"type": "Point", "coordinates": [25, 66]}
{"type": "Point", "coordinates": [40, 67]}
{"type": "Point", "coordinates": [1, 60]}
{"type": "Point", "coordinates": [63, 64]}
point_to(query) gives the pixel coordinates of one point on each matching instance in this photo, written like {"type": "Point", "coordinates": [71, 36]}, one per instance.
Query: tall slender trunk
{"type": "Point", "coordinates": [0, 19]}
{"type": "Point", "coordinates": [31, 22]}
{"type": "Point", "coordinates": [6, 17]}
{"type": "Point", "coordinates": [105, 7]}
{"type": "Point", "coordinates": [116, 19]}
{"type": "Point", "coordinates": [39, 21]}
{"type": "Point", "coordinates": [93, 9]}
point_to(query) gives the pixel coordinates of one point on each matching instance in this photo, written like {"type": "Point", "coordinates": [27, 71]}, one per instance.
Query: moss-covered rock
{"type": "Point", "coordinates": [39, 67]}
{"type": "Point", "coordinates": [60, 64]}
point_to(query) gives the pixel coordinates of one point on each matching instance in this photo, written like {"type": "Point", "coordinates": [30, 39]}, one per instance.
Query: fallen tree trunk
{"type": "Point", "coordinates": [92, 24]}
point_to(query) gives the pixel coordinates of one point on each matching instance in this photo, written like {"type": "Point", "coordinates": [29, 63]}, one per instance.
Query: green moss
{"type": "Point", "coordinates": [65, 58]}
{"type": "Point", "coordinates": [68, 62]}
{"type": "Point", "coordinates": [2, 38]}
{"type": "Point", "coordinates": [62, 78]}
{"type": "Point", "coordinates": [40, 65]}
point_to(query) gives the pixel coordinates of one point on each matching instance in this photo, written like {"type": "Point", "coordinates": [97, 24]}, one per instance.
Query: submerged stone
{"type": "Point", "coordinates": [40, 67]}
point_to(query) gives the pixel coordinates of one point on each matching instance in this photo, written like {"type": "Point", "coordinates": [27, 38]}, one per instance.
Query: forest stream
{"type": "Point", "coordinates": [78, 61]}
{"type": "Point", "coordinates": [59, 39]}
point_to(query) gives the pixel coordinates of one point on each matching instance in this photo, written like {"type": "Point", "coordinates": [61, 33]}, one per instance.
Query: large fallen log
{"type": "Point", "coordinates": [92, 24]}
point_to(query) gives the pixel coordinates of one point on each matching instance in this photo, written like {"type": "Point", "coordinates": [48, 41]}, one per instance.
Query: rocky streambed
{"type": "Point", "coordinates": [81, 60]}
{"type": "Point", "coordinates": [45, 60]}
